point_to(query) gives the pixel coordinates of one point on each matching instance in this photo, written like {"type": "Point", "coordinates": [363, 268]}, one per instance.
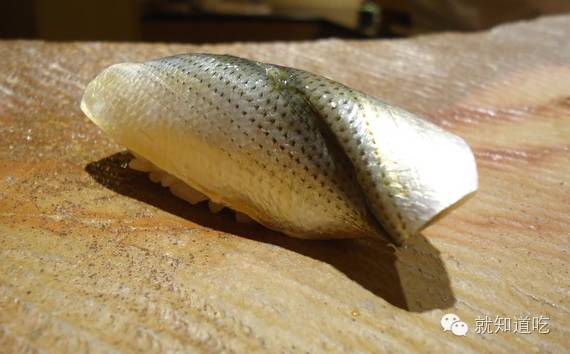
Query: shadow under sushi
{"type": "Point", "coordinates": [413, 277]}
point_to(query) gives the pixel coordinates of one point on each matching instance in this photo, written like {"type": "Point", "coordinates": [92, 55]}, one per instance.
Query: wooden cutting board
{"type": "Point", "coordinates": [94, 257]}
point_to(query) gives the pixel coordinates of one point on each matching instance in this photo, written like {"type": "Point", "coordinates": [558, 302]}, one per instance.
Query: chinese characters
{"type": "Point", "coordinates": [523, 324]}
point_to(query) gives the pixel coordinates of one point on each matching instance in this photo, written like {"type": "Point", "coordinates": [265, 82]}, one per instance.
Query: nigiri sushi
{"type": "Point", "coordinates": [297, 152]}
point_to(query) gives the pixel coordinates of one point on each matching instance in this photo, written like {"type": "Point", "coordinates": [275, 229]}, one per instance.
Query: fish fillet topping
{"type": "Point", "coordinates": [292, 150]}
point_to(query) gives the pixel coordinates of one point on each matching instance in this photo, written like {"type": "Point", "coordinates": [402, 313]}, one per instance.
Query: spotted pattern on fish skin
{"type": "Point", "coordinates": [399, 159]}
{"type": "Point", "coordinates": [273, 135]}
{"type": "Point", "coordinates": [296, 152]}
{"type": "Point", "coordinates": [346, 116]}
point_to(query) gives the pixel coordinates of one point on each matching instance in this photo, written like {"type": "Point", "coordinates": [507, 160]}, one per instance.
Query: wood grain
{"type": "Point", "coordinates": [95, 258]}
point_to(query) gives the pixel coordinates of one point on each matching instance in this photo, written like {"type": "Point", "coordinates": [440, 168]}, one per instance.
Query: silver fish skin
{"type": "Point", "coordinates": [297, 152]}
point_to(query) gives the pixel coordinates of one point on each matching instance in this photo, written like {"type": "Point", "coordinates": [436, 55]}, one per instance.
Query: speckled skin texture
{"type": "Point", "coordinates": [297, 152]}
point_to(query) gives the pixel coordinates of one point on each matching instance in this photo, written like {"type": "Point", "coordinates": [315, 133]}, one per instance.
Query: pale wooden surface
{"type": "Point", "coordinates": [93, 257]}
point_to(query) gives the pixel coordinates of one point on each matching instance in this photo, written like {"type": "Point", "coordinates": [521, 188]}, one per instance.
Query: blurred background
{"type": "Point", "coordinates": [213, 21]}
